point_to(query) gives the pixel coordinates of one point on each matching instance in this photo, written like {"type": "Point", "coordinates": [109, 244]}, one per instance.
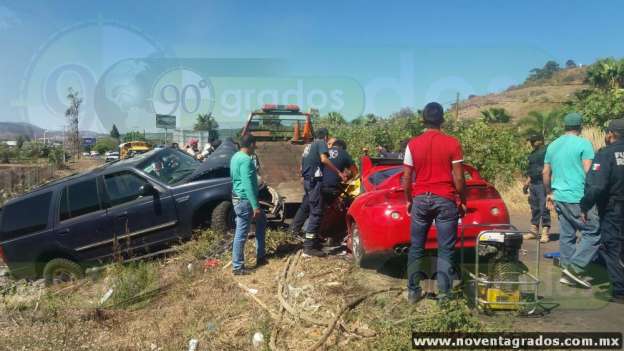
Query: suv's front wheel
{"type": "Point", "coordinates": [222, 220]}
{"type": "Point", "coordinates": [61, 270]}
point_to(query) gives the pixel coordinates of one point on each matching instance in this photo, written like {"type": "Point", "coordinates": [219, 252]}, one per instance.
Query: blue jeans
{"type": "Point", "coordinates": [244, 213]}
{"type": "Point", "coordinates": [572, 255]}
{"type": "Point", "coordinates": [426, 209]}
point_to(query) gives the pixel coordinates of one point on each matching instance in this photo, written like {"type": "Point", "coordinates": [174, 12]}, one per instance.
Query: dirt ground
{"type": "Point", "coordinates": [292, 302]}
{"type": "Point", "coordinates": [573, 309]}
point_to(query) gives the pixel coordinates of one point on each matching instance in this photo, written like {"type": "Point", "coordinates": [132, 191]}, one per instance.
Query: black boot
{"type": "Point", "coordinates": [310, 246]}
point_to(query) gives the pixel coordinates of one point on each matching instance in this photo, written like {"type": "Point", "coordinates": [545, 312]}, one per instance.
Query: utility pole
{"type": "Point", "coordinates": [457, 108]}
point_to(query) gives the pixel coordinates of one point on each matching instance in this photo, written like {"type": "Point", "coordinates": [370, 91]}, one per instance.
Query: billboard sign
{"type": "Point", "coordinates": [88, 141]}
{"type": "Point", "coordinates": [165, 121]}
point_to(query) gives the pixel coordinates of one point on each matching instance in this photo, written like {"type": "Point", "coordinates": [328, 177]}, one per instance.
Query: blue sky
{"type": "Point", "coordinates": [352, 56]}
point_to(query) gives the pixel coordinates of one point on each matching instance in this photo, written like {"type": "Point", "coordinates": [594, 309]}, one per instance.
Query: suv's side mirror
{"type": "Point", "coordinates": [147, 189]}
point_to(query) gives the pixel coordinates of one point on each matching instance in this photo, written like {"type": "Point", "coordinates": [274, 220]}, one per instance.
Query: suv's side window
{"type": "Point", "coordinates": [25, 216]}
{"type": "Point", "coordinates": [123, 187]}
{"type": "Point", "coordinates": [79, 199]}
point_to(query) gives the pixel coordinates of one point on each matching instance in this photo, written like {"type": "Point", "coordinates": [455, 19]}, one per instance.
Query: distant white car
{"type": "Point", "coordinates": [85, 154]}
{"type": "Point", "coordinates": [111, 156]}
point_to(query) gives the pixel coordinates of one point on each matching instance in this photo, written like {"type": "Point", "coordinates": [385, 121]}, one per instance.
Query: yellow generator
{"type": "Point", "coordinates": [499, 284]}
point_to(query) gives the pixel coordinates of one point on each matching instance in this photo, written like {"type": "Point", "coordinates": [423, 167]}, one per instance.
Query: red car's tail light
{"type": "Point", "coordinates": [2, 257]}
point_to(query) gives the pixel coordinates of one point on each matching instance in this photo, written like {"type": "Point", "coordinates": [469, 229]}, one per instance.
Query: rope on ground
{"type": "Point", "coordinates": [257, 300]}
{"type": "Point", "coordinates": [285, 276]}
{"type": "Point", "coordinates": [275, 331]}
{"type": "Point", "coordinates": [351, 305]}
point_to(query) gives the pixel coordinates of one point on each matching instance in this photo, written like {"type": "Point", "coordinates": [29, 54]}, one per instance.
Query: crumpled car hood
{"type": "Point", "coordinates": [220, 158]}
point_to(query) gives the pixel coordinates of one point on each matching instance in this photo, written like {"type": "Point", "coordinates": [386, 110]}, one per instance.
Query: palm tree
{"type": "Point", "coordinates": [546, 124]}
{"type": "Point", "coordinates": [205, 121]}
{"type": "Point", "coordinates": [606, 74]}
{"type": "Point", "coordinates": [495, 115]}
{"type": "Point", "coordinates": [72, 113]}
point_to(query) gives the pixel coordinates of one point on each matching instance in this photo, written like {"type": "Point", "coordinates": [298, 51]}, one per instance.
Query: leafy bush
{"type": "Point", "coordinates": [105, 144]}
{"type": "Point", "coordinates": [496, 151]}
{"type": "Point", "coordinates": [207, 243]}
{"type": "Point", "coordinates": [546, 72]}
{"type": "Point", "coordinates": [605, 100]}
{"type": "Point", "coordinates": [495, 115]}
{"type": "Point", "coordinates": [385, 132]}
{"type": "Point", "coordinates": [600, 106]}
{"type": "Point", "coordinates": [30, 151]}
{"type": "Point", "coordinates": [56, 156]}
{"type": "Point", "coordinates": [132, 280]}
{"type": "Point", "coordinates": [6, 154]}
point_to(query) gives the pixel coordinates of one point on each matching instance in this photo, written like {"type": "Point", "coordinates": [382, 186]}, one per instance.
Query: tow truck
{"type": "Point", "coordinates": [281, 132]}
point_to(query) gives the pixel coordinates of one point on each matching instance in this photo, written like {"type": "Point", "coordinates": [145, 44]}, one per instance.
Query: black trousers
{"type": "Point", "coordinates": [612, 238]}
{"type": "Point", "coordinates": [327, 195]}
{"type": "Point", "coordinates": [537, 201]}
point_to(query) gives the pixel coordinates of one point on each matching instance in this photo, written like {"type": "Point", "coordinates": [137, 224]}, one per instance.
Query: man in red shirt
{"type": "Point", "coordinates": [435, 161]}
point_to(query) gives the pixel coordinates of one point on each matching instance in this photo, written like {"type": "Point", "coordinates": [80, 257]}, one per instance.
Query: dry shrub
{"type": "Point", "coordinates": [131, 280]}
{"type": "Point", "coordinates": [595, 135]}
{"type": "Point", "coordinates": [517, 202]}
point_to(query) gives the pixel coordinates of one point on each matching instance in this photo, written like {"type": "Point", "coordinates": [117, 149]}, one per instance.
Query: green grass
{"type": "Point", "coordinates": [132, 280]}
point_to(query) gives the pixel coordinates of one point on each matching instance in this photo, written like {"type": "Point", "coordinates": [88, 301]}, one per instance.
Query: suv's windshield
{"type": "Point", "coordinates": [169, 166]}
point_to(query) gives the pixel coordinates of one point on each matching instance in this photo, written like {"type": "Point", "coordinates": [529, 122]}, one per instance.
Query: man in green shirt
{"type": "Point", "coordinates": [246, 206]}
{"type": "Point", "coordinates": [567, 161]}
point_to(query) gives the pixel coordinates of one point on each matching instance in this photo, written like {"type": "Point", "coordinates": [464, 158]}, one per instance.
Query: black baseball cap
{"type": "Point", "coordinates": [616, 125]}
{"type": "Point", "coordinates": [433, 113]}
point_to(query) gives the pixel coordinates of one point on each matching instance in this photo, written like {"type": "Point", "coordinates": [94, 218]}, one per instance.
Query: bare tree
{"type": "Point", "coordinates": [73, 133]}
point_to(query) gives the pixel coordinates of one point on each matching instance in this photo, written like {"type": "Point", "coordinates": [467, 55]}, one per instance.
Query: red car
{"type": "Point", "coordinates": [379, 225]}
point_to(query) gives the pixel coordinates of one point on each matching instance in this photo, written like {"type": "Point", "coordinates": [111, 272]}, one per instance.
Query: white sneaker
{"type": "Point", "coordinates": [576, 277]}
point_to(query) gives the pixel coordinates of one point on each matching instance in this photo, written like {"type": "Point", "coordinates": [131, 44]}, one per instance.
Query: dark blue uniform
{"type": "Point", "coordinates": [312, 171]}
{"type": "Point", "coordinates": [604, 188]}
{"type": "Point", "coordinates": [342, 160]}
{"type": "Point", "coordinates": [330, 187]}
{"type": "Point", "coordinates": [537, 193]}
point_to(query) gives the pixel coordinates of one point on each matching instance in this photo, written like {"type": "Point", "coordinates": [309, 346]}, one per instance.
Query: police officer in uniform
{"type": "Point", "coordinates": [314, 164]}
{"type": "Point", "coordinates": [534, 187]}
{"type": "Point", "coordinates": [331, 183]}
{"type": "Point", "coordinates": [604, 188]}
{"type": "Point", "coordinates": [340, 157]}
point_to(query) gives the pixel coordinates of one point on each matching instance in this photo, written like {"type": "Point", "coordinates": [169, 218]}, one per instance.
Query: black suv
{"type": "Point", "coordinates": [132, 208]}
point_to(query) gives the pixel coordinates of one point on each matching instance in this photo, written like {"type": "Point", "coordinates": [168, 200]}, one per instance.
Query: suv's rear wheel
{"type": "Point", "coordinates": [223, 216]}
{"type": "Point", "coordinates": [61, 270]}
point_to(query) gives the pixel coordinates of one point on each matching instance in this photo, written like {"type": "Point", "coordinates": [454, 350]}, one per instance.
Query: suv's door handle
{"type": "Point", "coordinates": [62, 231]}
{"type": "Point", "coordinates": [123, 214]}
